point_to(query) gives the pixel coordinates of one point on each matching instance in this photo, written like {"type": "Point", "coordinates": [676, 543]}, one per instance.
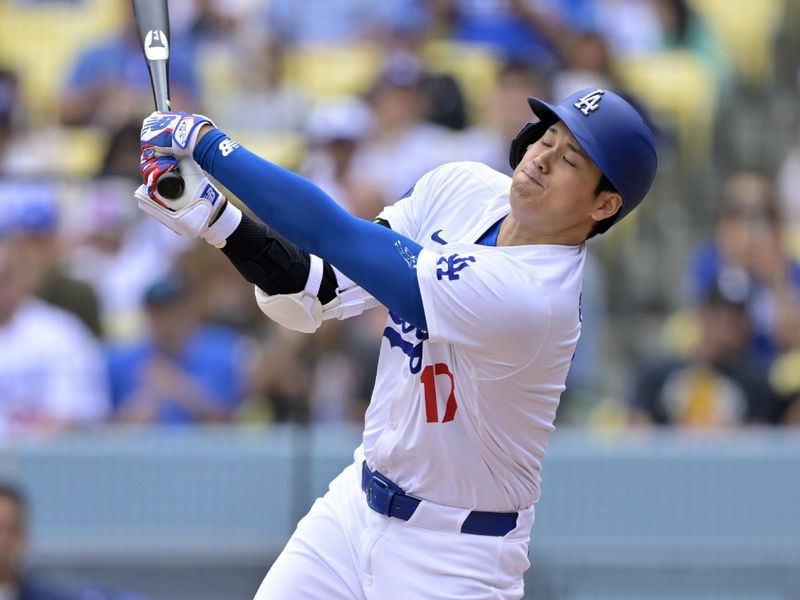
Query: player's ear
{"type": "Point", "coordinates": [606, 204]}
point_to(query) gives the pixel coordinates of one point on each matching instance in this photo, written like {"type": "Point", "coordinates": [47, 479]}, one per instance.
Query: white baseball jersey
{"type": "Point", "coordinates": [460, 414]}
{"type": "Point", "coordinates": [50, 366]}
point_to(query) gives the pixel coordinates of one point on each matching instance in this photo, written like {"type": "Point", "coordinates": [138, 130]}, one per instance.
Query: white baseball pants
{"type": "Point", "coordinates": [343, 550]}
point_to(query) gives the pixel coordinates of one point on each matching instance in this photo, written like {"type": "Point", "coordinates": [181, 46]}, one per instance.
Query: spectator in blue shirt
{"type": "Point", "coordinates": [109, 80]}
{"type": "Point", "coordinates": [518, 30]}
{"type": "Point", "coordinates": [748, 245]}
{"type": "Point", "coordinates": [184, 370]}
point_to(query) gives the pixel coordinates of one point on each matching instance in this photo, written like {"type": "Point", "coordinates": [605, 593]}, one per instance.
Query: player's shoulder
{"type": "Point", "coordinates": [469, 174]}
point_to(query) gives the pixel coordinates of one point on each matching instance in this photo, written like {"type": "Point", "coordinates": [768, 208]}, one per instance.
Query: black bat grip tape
{"type": "Point", "coordinates": [170, 185]}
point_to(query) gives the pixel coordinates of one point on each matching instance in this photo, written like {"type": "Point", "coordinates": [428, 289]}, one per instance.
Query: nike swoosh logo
{"type": "Point", "coordinates": [436, 238]}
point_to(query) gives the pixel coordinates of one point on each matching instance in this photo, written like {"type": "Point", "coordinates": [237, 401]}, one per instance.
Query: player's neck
{"type": "Point", "coordinates": [514, 233]}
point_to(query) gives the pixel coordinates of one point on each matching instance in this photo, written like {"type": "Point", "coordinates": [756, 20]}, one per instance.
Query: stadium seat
{"type": "Point", "coordinates": [217, 72]}
{"type": "Point", "coordinates": [792, 241]}
{"type": "Point", "coordinates": [678, 87]}
{"type": "Point", "coordinates": [82, 151]}
{"type": "Point", "coordinates": [40, 41]}
{"type": "Point", "coordinates": [746, 29]}
{"type": "Point", "coordinates": [680, 333]}
{"type": "Point", "coordinates": [327, 71]}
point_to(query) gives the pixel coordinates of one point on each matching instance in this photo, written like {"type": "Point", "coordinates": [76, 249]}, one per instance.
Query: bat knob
{"type": "Point", "coordinates": [170, 185]}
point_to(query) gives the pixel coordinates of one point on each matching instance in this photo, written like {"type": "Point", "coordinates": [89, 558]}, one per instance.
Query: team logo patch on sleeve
{"type": "Point", "coordinates": [408, 256]}
{"type": "Point", "coordinates": [451, 266]}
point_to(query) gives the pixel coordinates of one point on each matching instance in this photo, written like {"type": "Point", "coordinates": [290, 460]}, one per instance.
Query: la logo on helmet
{"type": "Point", "coordinates": [590, 102]}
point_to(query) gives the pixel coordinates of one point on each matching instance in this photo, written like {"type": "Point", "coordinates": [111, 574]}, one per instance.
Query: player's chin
{"type": "Point", "coordinates": [526, 190]}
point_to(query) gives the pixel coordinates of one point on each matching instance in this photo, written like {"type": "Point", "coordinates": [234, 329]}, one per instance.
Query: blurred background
{"type": "Point", "coordinates": [159, 438]}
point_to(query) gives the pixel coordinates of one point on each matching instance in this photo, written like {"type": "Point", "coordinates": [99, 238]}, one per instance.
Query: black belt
{"type": "Point", "coordinates": [384, 496]}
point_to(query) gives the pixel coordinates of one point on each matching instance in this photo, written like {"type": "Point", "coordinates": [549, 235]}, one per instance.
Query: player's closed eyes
{"type": "Point", "coordinates": [564, 158]}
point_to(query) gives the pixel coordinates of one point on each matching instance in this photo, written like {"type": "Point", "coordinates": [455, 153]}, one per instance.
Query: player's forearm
{"type": "Point", "coordinates": [272, 262]}
{"type": "Point", "coordinates": [378, 259]}
{"type": "Point", "coordinates": [287, 202]}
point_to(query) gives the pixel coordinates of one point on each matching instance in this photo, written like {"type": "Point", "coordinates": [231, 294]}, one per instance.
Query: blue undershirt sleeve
{"type": "Point", "coordinates": [378, 259]}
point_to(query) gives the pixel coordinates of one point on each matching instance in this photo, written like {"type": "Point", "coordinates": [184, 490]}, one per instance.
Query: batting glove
{"type": "Point", "coordinates": [172, 133]}
{"type": "Point", "coordinates": [202, 211]}
{"type": "Point", "coordinates": [153, 166]}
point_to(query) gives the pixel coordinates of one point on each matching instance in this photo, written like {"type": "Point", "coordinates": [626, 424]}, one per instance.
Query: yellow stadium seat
{"type": "Point", "coordinates": [329, 71]}
{"type": "Point", "coordinates": [784, 373]}
{"type": "Point", "coordinates": [675, 85]}
{"type": "Point", "coordinates": [680, 333]}
{"type": "Point", "coordinates": [82, 150]}
{"type": "Point", "coordinates": [792, 241]}
{"type": "Point", "coordinates": [746, 29]}
{"type": "Point", "coordinates": [473, 66]}
{"type": "Point", "coordinates": [217, 70]}
{"type": "Point", "coordinates": [40, 42]}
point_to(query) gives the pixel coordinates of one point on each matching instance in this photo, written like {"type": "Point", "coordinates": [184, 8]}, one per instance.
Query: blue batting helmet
{"type": "Point", "coordinates": [610, 131]}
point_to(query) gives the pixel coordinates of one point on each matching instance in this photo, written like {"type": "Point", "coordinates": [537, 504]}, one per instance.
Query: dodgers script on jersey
{"type": "Point", "coordinates": [460, 413]}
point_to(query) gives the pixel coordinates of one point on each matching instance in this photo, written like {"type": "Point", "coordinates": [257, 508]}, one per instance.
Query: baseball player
{"type": "Point", "coordinates": [481, 274]}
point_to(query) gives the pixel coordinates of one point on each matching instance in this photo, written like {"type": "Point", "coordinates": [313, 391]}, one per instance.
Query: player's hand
{"type": "Point", "coordinates": [202, 211]}
{"type": "Point", "coordinates": [172, 133]}
{"type": "Point", "coordinates": [153, 166]}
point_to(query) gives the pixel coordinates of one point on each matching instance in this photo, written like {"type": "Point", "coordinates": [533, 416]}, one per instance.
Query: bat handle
{"type": "Point", "coordinates": [170, 185]}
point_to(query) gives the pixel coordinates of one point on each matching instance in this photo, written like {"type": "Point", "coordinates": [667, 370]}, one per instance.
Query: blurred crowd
{"type": "Point", "coordinates": [691, 310]}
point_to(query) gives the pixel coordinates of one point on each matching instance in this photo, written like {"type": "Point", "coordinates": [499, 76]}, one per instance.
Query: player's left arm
{"type": "Point", "coordinates": [380, 260]}
{"type": "Point", "coordinates": [295, 289]}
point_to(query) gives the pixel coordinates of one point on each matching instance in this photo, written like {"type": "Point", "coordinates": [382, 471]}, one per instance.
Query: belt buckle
{"type": "Point", "coordinates": [379, 494]}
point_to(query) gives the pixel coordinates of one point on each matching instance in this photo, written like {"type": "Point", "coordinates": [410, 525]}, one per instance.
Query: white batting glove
{"type": "Point", "coordinates": [202, 211]}
{"type": "Point", "coordinates": [172, 133]}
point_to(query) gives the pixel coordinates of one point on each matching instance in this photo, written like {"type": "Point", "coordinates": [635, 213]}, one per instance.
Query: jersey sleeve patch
{"type": "Point", "coordinates": [449, 267]}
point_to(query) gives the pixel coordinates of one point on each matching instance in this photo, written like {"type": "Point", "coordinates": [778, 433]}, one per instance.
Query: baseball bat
{"type": "Point", "coordinates": [152, 23]}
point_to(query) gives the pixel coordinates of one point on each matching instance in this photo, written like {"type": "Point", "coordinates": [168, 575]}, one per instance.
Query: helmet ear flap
{"type": "Point", "coordinates": [527, 136]}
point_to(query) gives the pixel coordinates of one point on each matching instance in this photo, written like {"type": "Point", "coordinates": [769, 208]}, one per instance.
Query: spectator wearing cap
{"type": "Point", "coordinates": [43, 152]}
{"type": "Point", "coordinates": [749, 241]}
{"type": "Point", "coordinates": [52, 375]}
{"type": "Point", "coordinates": [505, 115]}
{"type": "Point", "coordinates": [721, 383]}
{"type": "Point", "coordinates": [183, 370]}
{"type": "Point", "coordinates": [335, 130]}
{"type": "Point", "coordinates": [31, 213]}
{"type": "Point", "coordinates": [402, 145]}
